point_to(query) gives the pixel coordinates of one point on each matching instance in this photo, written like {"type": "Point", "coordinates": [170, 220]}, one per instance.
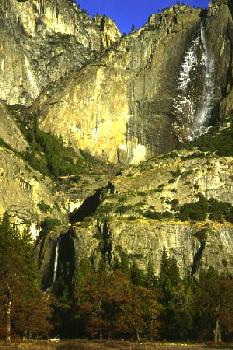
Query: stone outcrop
{"type": "Point", "coordinates": [26, 195]}
{"type": "Point", "coordinates": [155, 87]}
{"type": "Point", "coordinates": [144, 240]}
{"type": "Point", "coordinates": [220, 40]}
{"type": "Point", "coordinates": [9, 131]}
{"type": "Point", "coordinates": [41, 41]}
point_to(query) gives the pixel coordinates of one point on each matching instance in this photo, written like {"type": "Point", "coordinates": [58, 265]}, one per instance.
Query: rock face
{"type": "Point", "coordinates": [149, 99]}
{"type": "Point", "coordinates": [27, 197]}
{"type": "Point", "coordinates": [41, 41]}
{"type": "Point", "coordinates": [133, 86]}
{"type": "Point", "coordinates": [123, 99]}
{"type": "Point", "coordinates": [162, 84]}
{"type": "Point", "coordinates": [9, 131]}
{"type": "Point", "coordinates": [120, 222]}
{"type": "Point", "coordinates": [220, 41]}
{"type": "Point", "coordinates": [25, 194]}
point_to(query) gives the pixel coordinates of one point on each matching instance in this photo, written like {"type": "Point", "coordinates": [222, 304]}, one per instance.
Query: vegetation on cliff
{"type": "Point", "coordinates": [219, 139]}
{"type": "Point", "coordinates": [48, 154]}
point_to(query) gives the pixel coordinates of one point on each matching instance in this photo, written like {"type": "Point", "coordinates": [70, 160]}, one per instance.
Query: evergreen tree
{"type": "Point", "coordinates": [25, 307]}
{"type": "Point", "coordinates": [214, 305]}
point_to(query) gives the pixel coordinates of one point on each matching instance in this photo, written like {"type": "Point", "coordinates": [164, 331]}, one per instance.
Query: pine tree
{"type": "Point", "coordinates": [19, 283]}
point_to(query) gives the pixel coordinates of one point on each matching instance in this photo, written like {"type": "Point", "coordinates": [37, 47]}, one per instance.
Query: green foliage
{"type": "Point", "coordinates": [49, 224]}
{"type": "Point", "coordinates": [110, 306]}
{"type": "Point", "coordinates": [50, 156]}
{"type": "Point", "coordinates": [126, 302]}
{"type": "Point", "coordinates": [19, 283]}
{"type": "Point", "coordinates": [158, 215]}
{"type": "Point", "coordinates": [45, 208]}
{"type": "Point", "coordinates": [217, 211]}
{"type": "Point", "coordinates": [194, 211]}
{"type": "Point", "coordinates": [220, 211]}
{"type": "Point", "coordinates": [176, 173]}
{"type": "Point", "coordinates": [4, 144]}
{"type": "Point", "coordinates": [105, 242]}
{"type": "Point", "coordinates": [217, 140]}
{"type": "Point", "coordinates": [121, 209]}
{"type": "Point", "coordinates": [213, 303]}
{"type": "Point", "coordinates": [169, 274]}
{"type": "Point", "coordinates": [136, 275]}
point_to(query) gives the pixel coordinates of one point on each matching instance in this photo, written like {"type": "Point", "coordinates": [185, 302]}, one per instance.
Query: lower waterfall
{"type": "Point", "coordinates": [56, 262]}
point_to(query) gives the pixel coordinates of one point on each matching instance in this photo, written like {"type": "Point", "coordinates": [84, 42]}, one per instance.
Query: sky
{"type": "Point", "coordinates": [131, 12]}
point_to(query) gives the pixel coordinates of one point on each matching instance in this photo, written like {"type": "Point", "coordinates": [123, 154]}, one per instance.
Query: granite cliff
{"type": "Point", "coordinates": [117, 103]}
{"type": "Point", "coordinates": [148, 99]}
{"type": "Point", "coordinates": [42, 41]}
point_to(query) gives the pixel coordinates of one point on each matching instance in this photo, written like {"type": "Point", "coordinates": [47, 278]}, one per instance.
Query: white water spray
{"type": "Point", "coordinates": [195, 101]}
{"type": "Point", "coordinates": [56, 262]}
{"type": "Point", "coordinates": [203, 115]}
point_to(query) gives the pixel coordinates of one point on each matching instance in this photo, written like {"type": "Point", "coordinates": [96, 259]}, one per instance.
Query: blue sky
{"type": "Point", "coordinates": [131, 12]}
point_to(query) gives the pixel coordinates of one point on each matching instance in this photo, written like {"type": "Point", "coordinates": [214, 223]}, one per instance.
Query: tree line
{"type": "Point", "coordinates": [126, 303]}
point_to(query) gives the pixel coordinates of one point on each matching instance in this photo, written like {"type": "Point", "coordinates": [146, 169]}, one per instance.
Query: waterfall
{"type": "Point", "coordinates": [56, 262]}
{"type": "Point", "coordinates": [195, 90]}
{"type": "Point", "coordinates": [200, 124]}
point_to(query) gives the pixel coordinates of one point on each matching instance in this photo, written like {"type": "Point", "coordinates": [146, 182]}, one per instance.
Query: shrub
{"type": "Point", "coordinates": [217, 140]}
{"type": "Point", "coordinates": [50, 156]}
{"type": "Point", "coordinates": [45, 208]}
{"type": "Point", "coordinates": [218, 211]}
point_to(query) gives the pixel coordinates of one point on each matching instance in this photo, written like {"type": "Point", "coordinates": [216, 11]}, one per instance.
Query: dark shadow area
{"type": "Point", "coordinates": [66, 261]}
{"type": "Point", "coordinates": [90, 205]}
{"type": "Point", "coordinates": [197, 258]}
{"type": "Point", "coordinates": [204, 13]}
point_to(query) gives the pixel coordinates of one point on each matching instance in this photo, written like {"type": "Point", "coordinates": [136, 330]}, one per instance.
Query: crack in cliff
{"type": "Point", "coordinates": [197, 258]}
{"type": "Point", "coordinates": [105, 245]}
{"type": "Point", "coordinates": [202, 236]}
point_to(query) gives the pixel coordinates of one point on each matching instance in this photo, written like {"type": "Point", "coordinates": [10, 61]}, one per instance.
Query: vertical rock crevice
{"type": "Point", "coordinates": [202, 236]}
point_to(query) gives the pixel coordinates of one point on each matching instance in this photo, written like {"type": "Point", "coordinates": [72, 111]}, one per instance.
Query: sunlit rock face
{"type": "Point", "coordinates": [121, 98]}
{"type": "Point", "coordinates": [41, 41]}
{"type": "Point", "coordinates": [23, 190]}
{"type": "Point", "coordinates": [120, 107]}
{"type": "Point", "coordinates": [155, 186]}
{"type": "Point", "coordinates": [161, 85]}
{"type": "Point", "coordinates": [9, 131]}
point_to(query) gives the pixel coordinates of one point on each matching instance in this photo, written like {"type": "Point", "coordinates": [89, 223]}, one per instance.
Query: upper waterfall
{"type": "Point", "coordinates": [200, 123]}
{"type": "Point", "coordinates": [195, 98]}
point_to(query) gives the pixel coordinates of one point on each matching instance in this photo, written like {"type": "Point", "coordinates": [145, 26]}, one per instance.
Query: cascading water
{"type": "Point", "coordinates": [56, 262]}
{"type": "Point", "coordinates": [195, 98]}
{"type": "Point", "coordinates": [200, 125]}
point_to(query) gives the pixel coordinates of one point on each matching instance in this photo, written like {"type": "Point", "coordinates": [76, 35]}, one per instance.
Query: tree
{"type": "Point", "coordinates": [214, 304]}
{"type": "Point", "coordinates": [19, 282]}
{"type": "Point", "coordinates": [176, 296]}
{"type": "Point", "coordinates": [111, 306]}
{"type": "Point", "coordinates": [169, 276]}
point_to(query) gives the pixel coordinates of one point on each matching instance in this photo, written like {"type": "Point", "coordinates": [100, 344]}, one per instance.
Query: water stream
{"type": "Point", "coordinates": [200, 124]}
{"type": "Point", "coordinates": [56, 262]}
{"type": "Point", "coordinates": [195, 90]}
